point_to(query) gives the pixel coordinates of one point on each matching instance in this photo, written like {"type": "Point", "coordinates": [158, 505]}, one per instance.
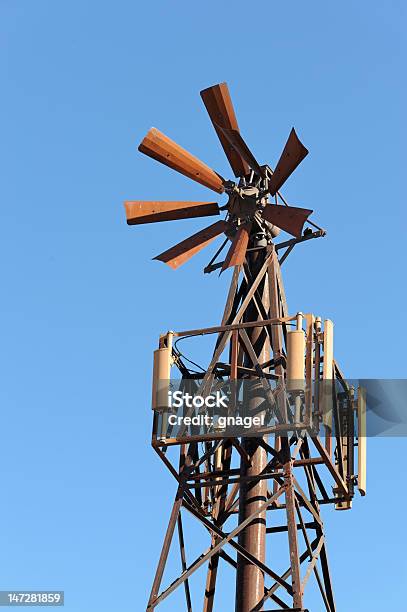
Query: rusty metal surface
{"type": "Point", "coordinates": [292, 155]}
{"type": "Point", "coordinates": [166, 546]}
{"type": "Point", "coordinates": [158, 146]}
{"type": "Point", "coordinates": [291, 219]}
{"type": "Point", "coordinates": [223, 454]}
{"type": "Point", "coordinates": [203, 490]}
{"type": "Point", "coordinates": [291, 525]}
{"type": "Point", "coordinates": [252, 494]}
{"type": "Point", "coordinates": [221, 541]}
{"type": "Point", "coordinates": [203, 331]}
{"type": "Point", "coordinates": [237, 251]}
{"type": "Point", "coordinates": [238, 144]}
{"type": "Point", "coordinates": [220, 109]}
{"type": "Point", "coordinates": [138, 211]}
{"type": "Point", "coordinates": [181, 252]}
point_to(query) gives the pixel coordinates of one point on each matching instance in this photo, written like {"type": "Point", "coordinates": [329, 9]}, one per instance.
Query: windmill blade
{"type": "Point", "coordinates": [163, 149]}
{"type": "Point", "coordinates": [238, 144]}
{"type": "Point", "coordinates": [292, 155]}
{"type": "Point", "coordinates": [138, 212]}
{"type": "Point", "coordinates": [237, 251]}
{"type": "Point", "coordinates": [220, 109]}
{"type": "Point", "coordinates": [288, 218]}
{"type": "Point", "coordinates": [181, 252]}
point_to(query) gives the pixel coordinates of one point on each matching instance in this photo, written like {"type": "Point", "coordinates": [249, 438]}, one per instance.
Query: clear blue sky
{"type": "Point", "coordinates": [82, 304]}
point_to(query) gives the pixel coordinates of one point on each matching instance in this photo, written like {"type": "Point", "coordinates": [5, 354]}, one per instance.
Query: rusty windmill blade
{"type": "Point", "coordinates": [138, 212]}
{"type": "Point", "coordinates": [220, 109]}
{"type": "Point", "coordinates": [158, 146]}
{"type": "Point", "coordinates": [237, 251]}
{"type": "Point", "coordinates": [291, 219]}
{"type": "Point", "coordinates": [292, 155]}
{"type": "Point", "coordinates": [237, 142]}
{"type": "Point", "coordinates": [181, 252]}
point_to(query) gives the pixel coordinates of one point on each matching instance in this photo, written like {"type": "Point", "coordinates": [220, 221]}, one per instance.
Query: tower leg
{"type": "Point", "coordinates": [292, 525]}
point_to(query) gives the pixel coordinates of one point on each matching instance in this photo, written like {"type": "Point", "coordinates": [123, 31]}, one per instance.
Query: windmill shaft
{"type": "Point", "coordinates": [249, 577]}
{"type": "Point", "coordinates": [252, 494]}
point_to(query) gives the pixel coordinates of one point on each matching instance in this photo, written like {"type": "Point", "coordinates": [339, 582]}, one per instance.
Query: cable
{"type": "Point", "coordinates": [185, 357]}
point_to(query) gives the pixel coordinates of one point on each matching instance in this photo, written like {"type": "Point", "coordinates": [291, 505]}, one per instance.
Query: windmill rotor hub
{"type": "Point", "coordinates": [243, 203]}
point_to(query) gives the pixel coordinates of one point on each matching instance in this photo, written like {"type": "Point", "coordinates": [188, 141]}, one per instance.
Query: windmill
{"type": "Point", "coordinates": [248, 208]}
{"type": "Point", "coordinates": [313, 420]}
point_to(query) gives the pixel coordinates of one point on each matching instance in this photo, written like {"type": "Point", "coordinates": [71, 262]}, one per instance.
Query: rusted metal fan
{"type": "Point", "coordinates": [248, 210]}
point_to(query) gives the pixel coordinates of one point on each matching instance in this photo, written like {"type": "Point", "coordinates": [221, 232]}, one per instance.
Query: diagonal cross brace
{"type": "Point", "coordinates": [209, 553]}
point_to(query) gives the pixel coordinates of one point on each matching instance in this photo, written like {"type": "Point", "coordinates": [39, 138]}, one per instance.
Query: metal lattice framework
{"type": "Point", "coordinates": [214, 493]}
{"type": "Point", "coordinates": [234, 485]}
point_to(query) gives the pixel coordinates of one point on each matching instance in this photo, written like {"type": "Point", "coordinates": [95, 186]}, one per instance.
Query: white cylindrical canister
{"type": "Point", "coordinates": [161, 379]}
{"type": "Point", "coordinates": [295, 360]}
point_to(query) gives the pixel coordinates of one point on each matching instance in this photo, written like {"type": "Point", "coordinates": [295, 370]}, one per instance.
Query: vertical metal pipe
{"type": "Point", "coordinates": [249, 578]}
